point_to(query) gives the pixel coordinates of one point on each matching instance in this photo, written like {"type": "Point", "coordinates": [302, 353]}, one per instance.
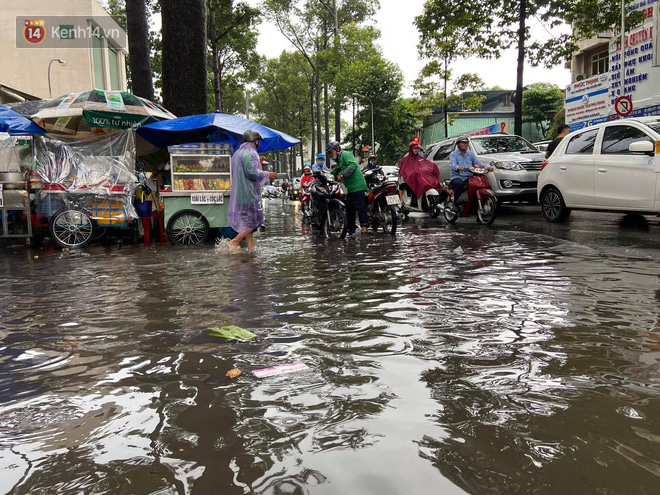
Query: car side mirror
{"type": "Point", "coordinates": [644, 147]}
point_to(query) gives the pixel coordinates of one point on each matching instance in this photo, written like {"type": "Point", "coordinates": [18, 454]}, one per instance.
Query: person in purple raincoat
{"type": "Point", "coordinates": [247, 179]}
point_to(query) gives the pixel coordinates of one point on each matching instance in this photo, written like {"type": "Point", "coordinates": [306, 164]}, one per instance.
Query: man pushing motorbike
{"type": "Point", "coordinates": [348, 171]}
{"type": "Point", "coordinates": [460, 160]}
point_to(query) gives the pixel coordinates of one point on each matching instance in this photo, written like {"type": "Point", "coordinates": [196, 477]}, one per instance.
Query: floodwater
{"type": "Point", "coordinates": [451, 360]}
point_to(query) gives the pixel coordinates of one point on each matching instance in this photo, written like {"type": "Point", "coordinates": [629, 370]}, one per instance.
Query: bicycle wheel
{"type": "Point", "coordinates": [72, 228]}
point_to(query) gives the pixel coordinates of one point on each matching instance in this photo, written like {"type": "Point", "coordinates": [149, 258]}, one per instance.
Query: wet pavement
{"type": "Point", "coordinates": [518, 358]}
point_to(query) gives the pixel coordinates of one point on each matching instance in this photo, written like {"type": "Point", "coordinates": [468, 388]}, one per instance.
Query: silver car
{"type": "Point", "coordinates": [516, 161]}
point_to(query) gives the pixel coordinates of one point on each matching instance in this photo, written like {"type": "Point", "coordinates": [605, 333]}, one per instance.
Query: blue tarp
{"type": "Point", "coordinates": [213, 127]}
{"type": "Point", "coordinates": [17, 125]}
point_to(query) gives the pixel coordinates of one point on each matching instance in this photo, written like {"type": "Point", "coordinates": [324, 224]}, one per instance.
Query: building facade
{"type": "Point", "coordinates": [79, 32]}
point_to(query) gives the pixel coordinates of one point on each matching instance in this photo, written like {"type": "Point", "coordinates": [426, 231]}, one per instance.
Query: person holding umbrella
{"type": "Point", "coordinates": [247, 178]}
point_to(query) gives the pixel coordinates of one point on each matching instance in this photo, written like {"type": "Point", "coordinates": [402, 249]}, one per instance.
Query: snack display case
{"type": "Point", "coordinates": [195, 203]}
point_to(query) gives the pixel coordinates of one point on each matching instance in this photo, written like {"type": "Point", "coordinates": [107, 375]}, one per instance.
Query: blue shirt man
{"type": "Point", "coordinates": [459, 161]}
{"type": "Point", "coordinates": [320, 167]}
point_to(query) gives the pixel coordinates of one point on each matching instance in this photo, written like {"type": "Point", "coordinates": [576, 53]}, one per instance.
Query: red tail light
{"type": "Point", "coordinates": [544, 164]}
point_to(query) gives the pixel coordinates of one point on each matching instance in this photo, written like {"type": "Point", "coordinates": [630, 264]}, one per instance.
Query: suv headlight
{"type": "Point", "coordinates": [508, 165]}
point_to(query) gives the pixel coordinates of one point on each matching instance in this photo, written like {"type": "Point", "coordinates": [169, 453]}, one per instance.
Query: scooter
{"type": "Point", "coordinates": [306, 201]}
{"type": "Point", "coordinates": [328, 210]}
{"type": "Point", "coordinates": [478, 198]}
{"type": "Point", "coordinates": [382, 201]}
{"type": "Point", "coordinates": [430, 202]}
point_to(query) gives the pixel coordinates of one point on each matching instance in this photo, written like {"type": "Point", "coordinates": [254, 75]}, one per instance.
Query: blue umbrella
{"type": "Point", "coordinates": [213, 127]}
{"type": "Point", "coordinates": [17, 125]}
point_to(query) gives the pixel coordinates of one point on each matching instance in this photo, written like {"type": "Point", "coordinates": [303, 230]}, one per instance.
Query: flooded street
{"type": "Point", "coordinates": [452, 359]}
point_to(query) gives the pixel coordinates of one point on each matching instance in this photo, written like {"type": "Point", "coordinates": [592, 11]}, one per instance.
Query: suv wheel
{"type": "Point", "coordinates": [553, 206]}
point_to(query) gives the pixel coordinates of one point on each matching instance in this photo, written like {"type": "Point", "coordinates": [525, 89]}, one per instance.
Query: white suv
{"type": "Point", "coordinates": [614, 166]}
{"type": "Point", "coordinates": [516, 161]}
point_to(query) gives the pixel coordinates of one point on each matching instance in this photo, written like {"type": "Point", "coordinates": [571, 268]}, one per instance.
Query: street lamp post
{"type": "Point", "coordinates": [373, 141]}
{"type": "Point", "coordinates": [60, 61]}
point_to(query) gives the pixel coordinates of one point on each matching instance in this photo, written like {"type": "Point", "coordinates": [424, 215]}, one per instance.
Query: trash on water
{"type": "Point", "coordinates": [280, 370]}
{"type": "Point", "coordinates": [458, 250]}
{"type": "Point", "coordinates": [233, 373]}
{"type": "Point", "coordinates": [231, 332]}
{"type": "Point", "coordinates": [70, 324]}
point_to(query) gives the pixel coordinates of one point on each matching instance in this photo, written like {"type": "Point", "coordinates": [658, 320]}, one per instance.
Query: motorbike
{"type": "Point", "coordinates": [478, 198]}
{"type": "Point", "coordinates": [328, 216]}
{"type": "Point", "coordinates": [306, 201]}
{"type": "Point", "coordinates": [429, 203]}
{"type": "Point", "coordinates": [270, 192]}
{"type": "Point", "coordinates": [383, 201]}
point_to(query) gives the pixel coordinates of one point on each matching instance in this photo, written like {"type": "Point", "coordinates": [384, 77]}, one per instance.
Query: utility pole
{"type": "Point", "coordinates": [247, 103]}
{"type": "Point", "coordinates": [335, 31]}
{"type": "Point", "coordinates": [519, 73]}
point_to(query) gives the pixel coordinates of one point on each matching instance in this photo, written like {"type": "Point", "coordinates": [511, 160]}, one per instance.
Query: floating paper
{"type": "Point", "coordinates": [280, 370]}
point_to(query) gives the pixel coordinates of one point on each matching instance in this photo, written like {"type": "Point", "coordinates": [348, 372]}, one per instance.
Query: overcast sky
{"type": "Point", "coordinates": [399, 39]}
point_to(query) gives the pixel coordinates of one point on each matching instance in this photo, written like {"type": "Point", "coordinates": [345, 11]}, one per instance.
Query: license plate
{"type": "Point", "coordinates": [393, 199]}
{"type": "Point", "coordinates": [214, 198]}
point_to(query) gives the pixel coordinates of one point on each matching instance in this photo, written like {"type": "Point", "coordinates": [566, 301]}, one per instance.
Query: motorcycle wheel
{"type": "Point", "coordinates": [306, 211]}
{"type": "Point", "coordinates": [336, 227]}
{"type": "Point", "coordinates": [487, 211]}
{"type": "Point", "coordinates": [434, 210]}
{"type": "Point", "coordinates": [387, 218]}
{"type": "Point", "coordinates": [450, 215]}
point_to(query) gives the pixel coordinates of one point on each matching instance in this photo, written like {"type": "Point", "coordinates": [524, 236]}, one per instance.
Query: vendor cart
{"type": "Point", "coordinates": [87, 187]}
{"type": "Point", "coordinates": [201, 180]}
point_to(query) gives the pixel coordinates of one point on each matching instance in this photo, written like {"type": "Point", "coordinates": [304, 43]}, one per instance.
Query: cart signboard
{"type": "Point", "coordinates": [207, 198]}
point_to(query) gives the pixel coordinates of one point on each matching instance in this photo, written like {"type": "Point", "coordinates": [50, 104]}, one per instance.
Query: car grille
{"type": "Point", "coordinates": [532, 165]}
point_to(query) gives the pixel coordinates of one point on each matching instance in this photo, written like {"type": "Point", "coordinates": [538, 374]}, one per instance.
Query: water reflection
{"type": "Point", "coordinates": [449, 359]}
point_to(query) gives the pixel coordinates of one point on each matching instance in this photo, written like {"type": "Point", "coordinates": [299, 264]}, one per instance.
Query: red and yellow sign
{"type": "Point", "coordinates": [34, 31]}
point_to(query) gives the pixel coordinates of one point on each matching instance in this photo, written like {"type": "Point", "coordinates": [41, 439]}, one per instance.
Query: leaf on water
{"type": "Point", "coordinates": [234, 373]}
{"type": "Point", "coordinates": [231, 332]}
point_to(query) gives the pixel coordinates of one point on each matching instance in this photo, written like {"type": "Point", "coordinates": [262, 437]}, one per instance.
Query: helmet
{"type": "Point", "coordinates": [251, 135]}
{"type": "Point", "coordinates": [414, 144]}
{"type": "Point", "coordinates": [320, 155]}
{"type": "Point", "coordinates": [372, 157]}
{"type": "Point", "coordinates": [462, 139]}
{"type": "Point", "coordinates": [332, 145]}
{"type": "Point", "coordinates": [307, 167]}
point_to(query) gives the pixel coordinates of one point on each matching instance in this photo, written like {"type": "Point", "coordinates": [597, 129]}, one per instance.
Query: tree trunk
{"type": "Point", "coordinates": [217, 90]}
{"type": "Point", "coordinates": [319, 136]}
{"type": "Point", "coordinates": [311, 114]}
{"type": "Point", "coordinates": [184, 56]}
{"type": "Point", "coordinates": [517, 116]}
{"type": "Point", "coordinates": [138, 46]}
{"type": "Point", "coordinates": [326, 112]}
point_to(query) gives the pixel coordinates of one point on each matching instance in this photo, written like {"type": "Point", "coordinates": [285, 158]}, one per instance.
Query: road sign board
{"type": "Point", "coordinates": [623, 106]}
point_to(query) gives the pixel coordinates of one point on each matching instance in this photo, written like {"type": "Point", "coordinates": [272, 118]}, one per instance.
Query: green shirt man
{"type": "Point", "coordinates": [348, 171]}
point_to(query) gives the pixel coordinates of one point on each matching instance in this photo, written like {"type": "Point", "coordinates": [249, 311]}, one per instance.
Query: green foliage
{"type": "Point", "coordinates": [233, 59]}
{"type": "Point", "coordinates": [541, 102]}
{"type": "Point", "coordinates": [283, 100]}
{"type": "Point", "coordinates": [558, 119]}
{"type": "Point", "coordinates": [429, 91]}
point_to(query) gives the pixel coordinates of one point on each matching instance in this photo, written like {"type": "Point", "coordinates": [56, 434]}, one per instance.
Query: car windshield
{"type": "Point", "coordinates": [502, 144]}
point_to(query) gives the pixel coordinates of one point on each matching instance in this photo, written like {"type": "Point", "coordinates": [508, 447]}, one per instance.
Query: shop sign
{"type": "Point", "coordinates": [207, 198]}
{"type": "Point", "coordinates": [491, 129]}
{"type": "Point", "coordinates": [587, 101]}
{"type": "Point", "coordinates": [641, 70]}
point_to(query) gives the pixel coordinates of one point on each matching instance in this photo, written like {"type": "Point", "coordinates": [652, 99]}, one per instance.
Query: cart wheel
{"type": "Point", "coordinates": [187, 227]}
{"type": "Point", "coordinates": [72, 228]}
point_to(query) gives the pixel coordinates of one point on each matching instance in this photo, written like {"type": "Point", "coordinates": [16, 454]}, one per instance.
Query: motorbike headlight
{"type": "Point", "coordinates": [508, 165]}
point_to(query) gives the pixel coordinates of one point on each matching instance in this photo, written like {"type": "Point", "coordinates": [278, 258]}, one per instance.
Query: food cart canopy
{"type": "Point", "coordinates": [211, 127]}
{"type": "Point", "coordinates": [17, 125]}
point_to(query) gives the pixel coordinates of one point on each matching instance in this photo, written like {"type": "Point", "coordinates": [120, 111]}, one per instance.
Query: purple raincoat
{"type": "Point", "coordinates": [247, 179]}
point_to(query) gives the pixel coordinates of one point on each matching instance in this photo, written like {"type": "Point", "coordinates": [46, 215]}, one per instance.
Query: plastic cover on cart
{"type": "Point", "coordinates": [96, 174]}
{"type": "Point", "coordinates": [100, 165]}
{"type": "Point", "coordinates": [9, 159]}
